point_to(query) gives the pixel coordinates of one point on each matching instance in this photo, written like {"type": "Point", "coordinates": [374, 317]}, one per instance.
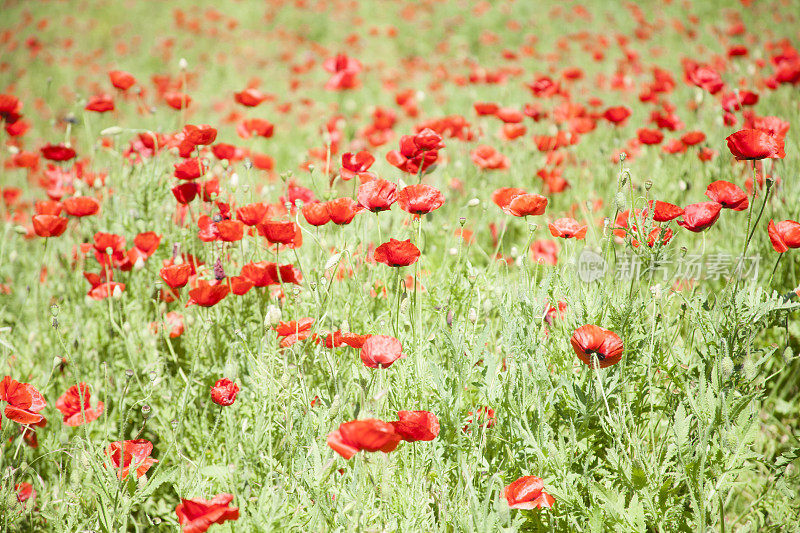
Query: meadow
{"type": "Point", "coordinates": [298, 265]}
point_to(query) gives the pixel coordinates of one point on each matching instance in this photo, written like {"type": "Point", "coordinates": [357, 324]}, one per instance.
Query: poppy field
{"type": "Point", "coordinates": [299, 265]}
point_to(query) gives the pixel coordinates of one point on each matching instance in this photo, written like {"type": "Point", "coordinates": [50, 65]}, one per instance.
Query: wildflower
{"type": "Point", "coordinates": [224, 392]}
{"type": "Point", "coordinates": [76, 408]}
{"type": "Point", "coordinates": [380, 351]}
{"type": "Point", "coordinates": [23, 401]}
{"type": "Point", "coordinates": [397, 253]}
{"type": "Point", "coordinates": [370, 435]}
{"type": "Point", "coordinates": [527, 493]}
{"type": "Point", "coordinates": [133, 454]}
{"type": "Point", "coordinates": [592, 341]}
{"type": "Point", "coordinates": [197, 515]}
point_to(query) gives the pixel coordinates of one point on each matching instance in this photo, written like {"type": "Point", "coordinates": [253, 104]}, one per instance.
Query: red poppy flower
{"type": "Point", "coordinates": [177, 100]}
{"type": "Point", "coordinates": [592, 341]}
{"type": "Point", "coordinates": [250, 97]}
{"type": "Point", "coordinates": [201, 135]}
{"type": "Point", "coordinates": [485, 108]}
{"type": "Point", "coordinates": [647, 136]}
{"type": "Point", "coordinates": [417, 152]}
{"type": "Point", "coordinates": [278, 232]}
{"type": "Point", "coordinates": [133, 453]}
{"type": "Point", "coordinates": [230, 230]}
{"type": "Point", "coordinates": [81, 206]}
{"type": "Point", "coordinates": [197, 515]}
{"type": "Point", "coordinates": [255, 126]}
{"type": "Point", "coordinates": [377, 195]}
{"type": "Point", "coordinates": [357, 165]}
{"type": "Point", "coordinates": [316, 213]}
{"type": "Point", "coordinates": [371, 435]}
{"type": "Point", "coordinates": [189, 169]}
{"type": "Point", "coordinates": [25, 491]}
{"type": "Point", "coordinates": [420, 199]}
{"type": "Point", "coordinates": [567, 228]}
{"type": "Point", "coordinates": [704, 77]}
{"type": "Point", "coordinates": [224, 392]}
{"type": "Point", "coordinates": [176, 276]}
{"type": "Point", "coordinates": [207, 293]}
{"type": "Point", "coordinates": [502, 196]}
{"type": "Point", "coordinates": [100, 103]}
{"type": "Point", "coordinates": [342, 210]}
{"type": "Point", "coordinates": [755, 144]}
{"type": "Point", "coordinates": [784, 235]}
{"type": "Point", "coordinates": [106, 290]}
{"type": "Point", "coordinates": [252, 214]}
{"type": "Point", "coordinates": [413, 426]}
{"type": "Point", "coordinates": [49, 225]}
{"type": "Point", "coordinates": [773, 126]}
{"type": "Point", "coordinates": [23, 401]}
{"type": "Point", "coordinates": [380, 351]}
{"type": "Point", "coordinates": [729, 195]}
{"type": "Point", "coordinates": [663, 211]}
{"type": "Point", "coordinates": [617, 115]}
{"type": "Point", "coordinates": [186, 192]}
{"type": "Point", "coordinates": [75, 406]}
{"type": "Point", "coordinates": [397, 253]}
{"type": "Point", "coordinates": [528, 492]}
{"type": "Point", "coordinates": [693, 137]}
{"type": "Point", "coordinates": [147, 242]}
{"type": "Point", "coordinates": [57, 152]}
{"type": "Point", "coordinates": [488, 158]}
{"type": "Point", "coordinates": [121, 80]}
{"type": "Point", "coordinates": [48, 207]}
{"type": "Point", "coordinates": [523, 205]}
{"type": "Point", "coordinates": [697, 217]}
{"type": "Point", "coordinates": [345, 72]}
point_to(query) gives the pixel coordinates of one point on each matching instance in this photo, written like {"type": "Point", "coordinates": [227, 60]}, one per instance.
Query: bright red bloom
{"type": "Point", "coordinates": [371, 435]}
{"type": "Point", "coordinates": [294, 331]}
{"type": "Point", "coordinates": [417, 152]}
{"type": "Point", "coordinates": [265, 273]}
{"type": "Point", "coordinates": [523, 205]}
{"type": "Point", "coordinates": [230, 230]}
{"type": "Point", "coordinates": [728, 194]}
{"type": "Point", "coordinates": [189, 169]}
{"type": "Point", "coordinates": [693, 137]}
{"type": "Point", "coordinates": [784, 235]}
{"type": "Point", "coordinates": [49, 225]}
{"type": "Point", "coordinates": [647, 136]}
{"type": "Point", "coordinates": [252, 214]}
{"type": "Point", "coordinates": [277, 231]}
{"type": "Point", "coordinates": [207, 293]}
{"type": "Point", "coordinates": [380, 351]}
{"type": "Point", "coordinates": [201, 135]}
{"type": "Point", "coordinates": [484, 417]}
{"type": "Point", "coordinates": [197, 515]}
{"type": "Point", "coordinates": [357, 165]}
{"type": "Point", "coordinates": [224, 391]}
{"type": "Point", "coordinates": [57, 152]}
{"type": "Point", "coordinates": [420, 199]}
{"type": "Point", "coordinates": [503, 196]}
{"type": "Point", "coordinates": [377, 194]}
{"type": "Point", "coordinates": [134, 453]}
{"type": "Point", "coordinates": [316, 213]}
{"type": "Point", "coordinates": [106, 290]}
{"type": "Point", "coordinates": [121, 80]}
{"type": "Point", "coordinates": [342, 211]}
{"type": "Point", "coordinates": [697, 217]}
{"type": "Point", "coordinates": [567, 228]}
{"type": "Point", "coordinates": [100, 103]}
{"type": "Point", "coordinates": [147, 242]}
{"type": "Point", "coordinates": [25, 491]}
{"type": "Point", "coordinates": [81, 206]}
{"type": "Point", "coordinates": [250, 97]}
{"type": "Point", "coordinates": [704, 77]}
{"type": "Point", "coordinates": [397, 253]}
{"type": "Point", "coordinates": [755, 144]}
{"type": "Point", "coordinates": [345, 71]}
{"type": "Point", "coordinates": [75, 406]}
{"type": "Point", "coordinates": [663, 211]}
{"type": "Point", "coordinates": [485, 108]}
{"type": "Point", "coordinates": [176, 276]}
{"type": "Point", "coordinates": [413, 426]}
{"type": "Point", "coordinates": [617, 115]}
{"type": "Point", "coordinates": [773, 126]}
{"type": "Point", "coordinates": [177, 100]}
{"type": "Point", "coordinates": [23, 402]}
{"type": "Point", "coordinates": [186, 192]}
{"type": "Point", "coordinates": [592, 341]}
{"type": "Point", "coordinates": [255, 126]}
{"type": "Point", "coordinates": [528, 492]}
